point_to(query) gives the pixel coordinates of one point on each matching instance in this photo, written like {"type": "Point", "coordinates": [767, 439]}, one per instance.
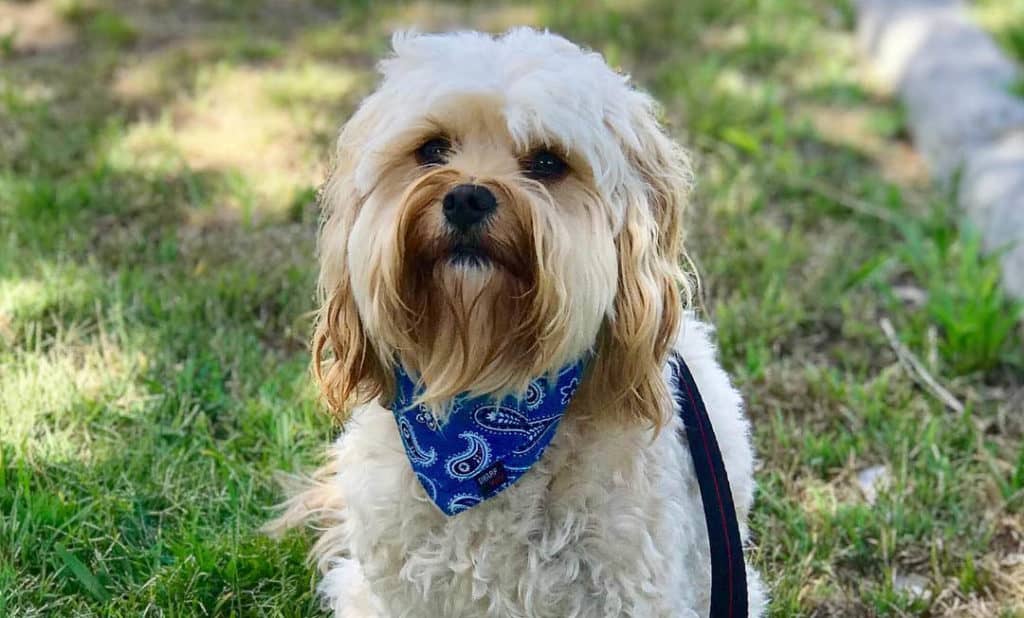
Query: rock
{"type": "Point", "coordinates": [912, 585]}
{"type": "Point", "coordinates": [956, 85]}
{"type": "Point", "coordinates": [870, 480]}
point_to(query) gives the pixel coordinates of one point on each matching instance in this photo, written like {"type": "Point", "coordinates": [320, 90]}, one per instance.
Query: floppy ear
{"type": "Point", "coordinates": [344, 360]}
{"type": "Point", "coordinates": [652, 286]}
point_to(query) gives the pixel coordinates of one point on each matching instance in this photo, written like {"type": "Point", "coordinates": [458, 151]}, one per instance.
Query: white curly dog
{"type": "Point", "coordinates": [500, 209]}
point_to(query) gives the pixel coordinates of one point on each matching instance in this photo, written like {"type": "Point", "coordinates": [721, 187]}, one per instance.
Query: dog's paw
{"type": "Point", "coordinates": [345, 592]}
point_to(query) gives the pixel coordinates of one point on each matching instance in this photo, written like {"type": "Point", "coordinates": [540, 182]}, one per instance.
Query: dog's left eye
{"type": "Point", "coordinates": [545, 165]}
{"type": "Point", "coordinates": [434, 151]}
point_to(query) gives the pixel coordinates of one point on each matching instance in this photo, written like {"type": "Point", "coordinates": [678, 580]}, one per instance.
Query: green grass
{"type": "Point", "coordinates": [1005, 20]}
{"type": "Point", "coordinates": [156, 274]}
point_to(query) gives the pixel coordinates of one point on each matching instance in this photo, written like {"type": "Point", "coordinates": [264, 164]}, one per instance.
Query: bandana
{"type": "Point", "coordinates": [484, 445]}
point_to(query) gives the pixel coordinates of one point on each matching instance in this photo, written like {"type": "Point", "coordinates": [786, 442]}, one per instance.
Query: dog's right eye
{"type": "Point", "coordinates": [434, 152]}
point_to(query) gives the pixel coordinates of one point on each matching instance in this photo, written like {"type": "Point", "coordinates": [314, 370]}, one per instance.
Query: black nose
{"type": "Point", "coordinates": [468, 205]}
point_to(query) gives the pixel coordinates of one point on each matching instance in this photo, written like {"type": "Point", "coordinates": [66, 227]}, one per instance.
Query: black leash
{"type": "Point", "coordinates": [728, 572]}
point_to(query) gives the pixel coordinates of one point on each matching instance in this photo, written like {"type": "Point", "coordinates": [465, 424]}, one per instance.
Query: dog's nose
{"type": "Point", "coordinates": [468, 205]}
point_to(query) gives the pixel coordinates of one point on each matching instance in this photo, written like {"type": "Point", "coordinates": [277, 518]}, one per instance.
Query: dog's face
{"type": "Point", "coordinates": [498, 208]}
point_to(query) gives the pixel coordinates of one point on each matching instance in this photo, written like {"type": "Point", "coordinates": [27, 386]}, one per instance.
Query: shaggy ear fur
{"type": "Point", "coordinates": [652, 286]}
{"type": "Point", "coordinates": [352, 373]}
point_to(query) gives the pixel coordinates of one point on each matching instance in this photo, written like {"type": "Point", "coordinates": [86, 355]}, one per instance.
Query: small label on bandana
{"type": "Point", "coordinates": [491, 479]}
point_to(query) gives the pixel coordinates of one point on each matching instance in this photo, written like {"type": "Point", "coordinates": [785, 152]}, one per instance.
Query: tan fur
{"type": "Point", "coordinates": [653, 289]}
{"type": "Point", "coordinates": [585, 265]}
{"type": "Point", "coordinates": [353, 375]}
{"type": "Point", "coordinates": [497, 331]}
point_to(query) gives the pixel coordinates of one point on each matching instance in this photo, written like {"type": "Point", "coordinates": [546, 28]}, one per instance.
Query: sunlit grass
{"type": "Point", "coordinates": [157, 168]}
{"type": "Point", "coordinates": [46, 394]}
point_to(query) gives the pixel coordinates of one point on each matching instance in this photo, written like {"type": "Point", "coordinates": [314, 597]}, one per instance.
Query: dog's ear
{"type": "Point", "coordinates": [345, 362]}
{"type": "Point", "coordinates": [652, 286]}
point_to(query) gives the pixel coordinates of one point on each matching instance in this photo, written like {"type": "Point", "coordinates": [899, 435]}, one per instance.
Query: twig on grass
{"type": "Point", "coordinates": [917, 369]}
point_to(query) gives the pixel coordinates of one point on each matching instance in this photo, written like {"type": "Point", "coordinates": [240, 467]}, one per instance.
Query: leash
{"type": "Point", "coordinates": [728, 572]}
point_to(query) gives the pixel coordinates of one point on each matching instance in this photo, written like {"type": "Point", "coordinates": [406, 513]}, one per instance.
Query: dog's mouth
{"type": "Point", "coordinates": [468, 253]}
{"type": "Point", "coordinates": [478, 254]}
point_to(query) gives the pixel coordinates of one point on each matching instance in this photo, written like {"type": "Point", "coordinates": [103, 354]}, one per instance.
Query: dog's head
{"type": "Point", "coordinates": [497, 208]}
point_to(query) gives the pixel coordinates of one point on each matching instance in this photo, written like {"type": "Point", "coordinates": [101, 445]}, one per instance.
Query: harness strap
{"type": "Point", "coordinates": [728, 573]}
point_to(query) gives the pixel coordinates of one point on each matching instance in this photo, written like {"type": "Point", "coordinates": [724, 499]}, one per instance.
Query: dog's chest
{"type": "Point", "coordinates": [606, 524]}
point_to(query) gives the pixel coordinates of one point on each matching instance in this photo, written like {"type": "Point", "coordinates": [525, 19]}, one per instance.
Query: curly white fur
{"type": "Point", "coordinates": [610, 521]}
{"type": "Point", "coordinates": [607, 524]}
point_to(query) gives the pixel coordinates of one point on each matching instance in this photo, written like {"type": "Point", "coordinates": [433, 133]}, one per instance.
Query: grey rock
{"type": "Point", "coordinates": [955, 83]}
{"type": "Point", "coordinates": [871, 480]}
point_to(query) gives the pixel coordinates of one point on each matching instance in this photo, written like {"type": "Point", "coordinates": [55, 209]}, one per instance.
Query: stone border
{"type": "Point", "coordinates": [955, 83]}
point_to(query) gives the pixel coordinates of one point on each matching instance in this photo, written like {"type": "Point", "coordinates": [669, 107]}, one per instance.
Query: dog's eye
{"type": "Point", "coordinates": [545, 165]}
{"type": "Point", "coordinates": [434, 151]}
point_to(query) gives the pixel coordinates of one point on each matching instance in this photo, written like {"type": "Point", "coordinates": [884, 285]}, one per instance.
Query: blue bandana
{"type": "Point", "coordinates": [484, 445]}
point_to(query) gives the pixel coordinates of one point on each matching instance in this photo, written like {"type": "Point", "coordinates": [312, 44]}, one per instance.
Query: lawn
{"type": "Point", "coordinates": [158, 164]}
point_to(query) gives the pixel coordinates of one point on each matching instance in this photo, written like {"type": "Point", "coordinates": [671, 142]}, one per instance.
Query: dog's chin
{"type": "Point", "coordinates": [468, 266]}
{"type": "Point", "coordinates": [468, 258]}
{"type": "Point", "coordinates": [469, 306]}
{"type": "Point", "coordinates": [475, 280]}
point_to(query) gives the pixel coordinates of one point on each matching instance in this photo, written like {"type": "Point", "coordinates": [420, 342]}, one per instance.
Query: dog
{"type": "Point", "coordinates": [500, 208]}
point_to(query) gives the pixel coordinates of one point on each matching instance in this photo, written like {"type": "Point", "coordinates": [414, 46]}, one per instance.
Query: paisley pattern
{"type": "Point", "coordinates": [428, 485]}
{"type": "Point", "coordinates": [510, 421]}
{"type": "Point", "coordinates": [427, 418]}
{"type": "Point", "coordinates": [473, 460]}
{"type": "Point", "coordinates": [517, 468]}
{"type": "Point", "coordinates": [534, 396]}
{"type": "Point", "coordinates": [416, 453]}
{"type": "Point", "coordinates": [569, 390]}
{"type": "Point", "coordinates": [485, 444]}
{"type": "Point", "coordinates": [462, 502]}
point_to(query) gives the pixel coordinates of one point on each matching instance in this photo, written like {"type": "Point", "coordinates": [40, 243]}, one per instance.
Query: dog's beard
{"type": "Point", "coordinates": [480, 313]}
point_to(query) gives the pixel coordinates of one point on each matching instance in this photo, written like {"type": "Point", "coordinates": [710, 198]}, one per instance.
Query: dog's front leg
{"type": "Point", "coordinates": [347, 593]}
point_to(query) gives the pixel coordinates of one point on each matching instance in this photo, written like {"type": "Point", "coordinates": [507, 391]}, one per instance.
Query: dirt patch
{"type": "Point", "coordinates": [33, 27]}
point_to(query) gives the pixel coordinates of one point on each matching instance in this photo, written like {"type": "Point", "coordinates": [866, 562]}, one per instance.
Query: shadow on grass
{"type": "Point", "coordinates": [153, 461]}
{"type": "Point", "coordinates": [156, 263]}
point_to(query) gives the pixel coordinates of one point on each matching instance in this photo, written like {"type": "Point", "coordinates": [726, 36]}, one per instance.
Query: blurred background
{"type": "Point", "coordinates": [158, 166]}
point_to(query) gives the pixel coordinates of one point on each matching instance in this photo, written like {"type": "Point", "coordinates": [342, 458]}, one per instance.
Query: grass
{"type": "Point", "coordinates": [1005, 21]}
{"type": "Point", "coordinates": [156, 274]}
